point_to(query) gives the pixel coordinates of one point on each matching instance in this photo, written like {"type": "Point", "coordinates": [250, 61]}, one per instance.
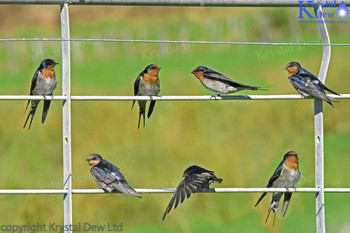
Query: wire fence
{"type": "Point", "coordinates": [175, 42]}
{"type": "Point", "coordinates": [166, 98]}
{"type": "Point", "coordinates": [171, 190]}
{"type": "Point", "coordinates": [67, 190]}
{"type": "Point", "coordinates": [201, 3]}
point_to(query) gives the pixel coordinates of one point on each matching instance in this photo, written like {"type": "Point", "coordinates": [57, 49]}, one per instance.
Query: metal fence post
{"type": "Point", "coordinates": [319, 166]}
{"type": "Point", "coordinates": [66, 115]}
{"type": "Point", "coordinates": [318, 118]}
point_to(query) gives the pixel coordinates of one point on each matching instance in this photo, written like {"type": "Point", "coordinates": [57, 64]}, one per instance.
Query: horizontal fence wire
{"type": "Point", "coordinates": [175, 42]}
{"type": "Point", "coordinates": [172, 190]}
{"type": "Point", "coordinates": [203, 3]}
{"type": "Point", "coordinates": [167, 98]}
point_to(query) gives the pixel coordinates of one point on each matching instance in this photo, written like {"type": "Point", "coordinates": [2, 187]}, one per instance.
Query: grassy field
{"type": "Point", "coordinates": [242, 141]}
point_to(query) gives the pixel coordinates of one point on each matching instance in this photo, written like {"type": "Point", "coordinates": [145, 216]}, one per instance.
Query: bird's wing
{"type": "Point", "coordinates": [327, 89]}
{"type": "Point", "coordinates": [307, 75]}
{"type": "Point", "coordinates": [117, 181]}
{"type": "Point", "coordinates": [304, 73]}
{"type": "Point", "coordinates": [124, 187]}
{"type": "Point", "coordinates": [107, 173]}
{"type": "Point", "coordinates": [313, 87]}
{"type": "Point", "coordinates": [137, 84]}
{"type": "Point", "coordinates": [34, 80]}
{"type": "Point", "coordinates": [187, 186]}
{"type": "Point", "coordinates": [114, 174]}
{"type": "Point", "coordinates": [274, 206]}
{"type": "Point", "coordinates": [136, 88]}
{"type": "Point", "coordinates": [213, 75]}
{"type": "Point", "coordinates": [274, 177]}
{"type": "Point", "coordinates": [298, 82]}
{"type": "Point", "coordinates": [99, 175]}
{"type": "Point", "coordinates": [276, 174]}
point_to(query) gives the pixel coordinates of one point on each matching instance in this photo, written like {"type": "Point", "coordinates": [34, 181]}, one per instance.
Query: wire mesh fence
{"type": "Point", "coordinates": [66, 97]}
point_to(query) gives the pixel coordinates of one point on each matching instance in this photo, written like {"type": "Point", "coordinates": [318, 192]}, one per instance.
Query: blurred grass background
{"type": "Point", "coordinates": [242, 141]}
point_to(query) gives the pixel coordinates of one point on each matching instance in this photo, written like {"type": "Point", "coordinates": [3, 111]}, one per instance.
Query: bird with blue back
{"type": "Point", "coordinates": [308, 84]}
{"type": "Point", "coordinates": [43, 83]}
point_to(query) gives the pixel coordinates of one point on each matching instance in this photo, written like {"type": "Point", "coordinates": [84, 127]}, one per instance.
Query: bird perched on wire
{"type": "Point", "coordinates": [109, 177]}
{"type": "Point", "coordinates": [195, 178]}
{"type": "Point", "coordinates": [218, 83]}
{"type": "Point", "coordinates": [147, 84]}
{"type": "Point", "coordinates": [43, 83]}
{"type": "Point", "coordinates": [306, 83]}
{"type": "Point", "coordinates": [286, 175]}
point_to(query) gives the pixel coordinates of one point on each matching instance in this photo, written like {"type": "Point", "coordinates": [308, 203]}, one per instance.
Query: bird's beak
{"type": "Point", "coordinates": [192, 72]}
{"type": "Point", "coordinates": [57, 63]}
{"type": "Point", "coordinates": [159, 68]}
{"type": "Point", "coordinates": [88, 159]}
{"type": "Point", "coordinates": [286, 67]}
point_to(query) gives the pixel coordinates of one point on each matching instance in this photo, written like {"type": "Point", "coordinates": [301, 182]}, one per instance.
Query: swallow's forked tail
{"type": "Point", "coordinates": [142, 105]}
{"type": "Point", "coordinates": [25, 123]}
{"type": "Point", "coordinates": [274, 210]}
{"type": "Point", "coordinates": [329, 99]}
{"type": "Point", "coordinates": [274, 206]}
{"type": "Point", "coordinates": [27, 106]}
{"type": "Point", "coordinates": [32, 111]}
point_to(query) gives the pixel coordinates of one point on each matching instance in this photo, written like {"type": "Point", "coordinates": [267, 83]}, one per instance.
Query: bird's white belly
{"type": "Point", "coordinates": [288, 178]}
{"type": "Point", "coordinates": [148, 89]}
{"type": "Point", "coordinates": [44, 86]}
{"type": "Point", "coordinates": [218, 87]}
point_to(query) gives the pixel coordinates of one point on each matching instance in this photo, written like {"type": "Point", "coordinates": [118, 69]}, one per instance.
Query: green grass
{"type": "Point", "coordinates": [242, 141]}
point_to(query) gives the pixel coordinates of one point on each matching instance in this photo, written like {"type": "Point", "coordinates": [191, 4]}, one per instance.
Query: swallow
{"type": "Point", "coordinates": [286, 175]}
{"type": "Point", "coordinates": [307, 84]}
{"type": "Point", "coordinates": [109, 177]}
{"type": "Point", "coordinates": [195, 179]}
{"type": "Point", "coordinates": [43, 83]}
{"type": "Point", "coordinates": [147, 84]}
{"type": "Point", "coordinates": [219, 83]}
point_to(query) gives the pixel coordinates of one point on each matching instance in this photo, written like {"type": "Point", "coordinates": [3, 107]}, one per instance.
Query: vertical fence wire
{"type": "Point", "coordinates": [66, 115]}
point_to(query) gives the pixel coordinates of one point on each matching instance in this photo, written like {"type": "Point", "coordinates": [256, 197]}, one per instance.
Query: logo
{"type": "Point", "coordinates": [306, 11]}
{"type": "Point", "coordinates": [342, 10]}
